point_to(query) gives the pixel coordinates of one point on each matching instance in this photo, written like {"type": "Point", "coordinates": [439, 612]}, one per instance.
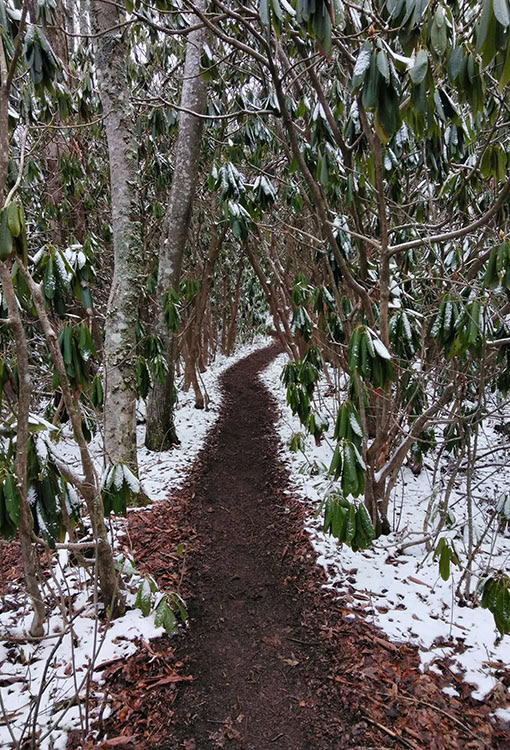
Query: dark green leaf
{"type": "Point", "coordinates": [438, 37]}
{"type": "Point", "coordinates": [501, 12]}
{"type": "Point", "coordinates": [382, 64]}
{"type": "Point", "coordinates": [456, 63]}
{"type": "Point", "coordinates": [264, 12]}
{"type": "Point", "coordinates": [420, 67]}
{"type": "Point", "coordinates": [483, 26]}
{"type": "Point", "coordinates": [11, 499]}
{"type": "Point", "coordinates": [361, 66]}
{"type": "Point", "coordinates": [444, 563]}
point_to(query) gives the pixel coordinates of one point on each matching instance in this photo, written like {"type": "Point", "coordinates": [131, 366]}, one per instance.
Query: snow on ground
{"type": "Point", "coordinates": [39, 682]}
{"type": "Point", "coordinates": [403, 593]}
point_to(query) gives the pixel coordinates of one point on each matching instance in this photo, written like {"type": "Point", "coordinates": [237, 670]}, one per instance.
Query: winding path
{"type": "Point", "coordinates": [257, 673]}
{"type": "Point", "coordinates": [275, 661]}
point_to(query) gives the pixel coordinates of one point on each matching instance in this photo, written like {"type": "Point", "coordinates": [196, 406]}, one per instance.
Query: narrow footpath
{"type": "Point", "coordinates": [257, 667]}
{"type": "Point", "coordinates": [268, 660]}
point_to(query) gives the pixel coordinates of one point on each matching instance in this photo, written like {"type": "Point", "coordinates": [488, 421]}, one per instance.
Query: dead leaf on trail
{"type": "Point", "coordinates": [170, 679]}
{"type": "Point", "coordinates": [385, 644]}
{"type": "Point", "coordinates": [291, 662]}
{"type": "Point", "coordinates": [227, 732]}
{"type": "Point", "coordinates": [123, 741]}
{"type": "Point", "coordinates": [272, 640]}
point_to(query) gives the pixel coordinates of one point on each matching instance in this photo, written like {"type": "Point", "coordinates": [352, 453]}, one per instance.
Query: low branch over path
{"type": "Point", "coordinates": [270, 660]}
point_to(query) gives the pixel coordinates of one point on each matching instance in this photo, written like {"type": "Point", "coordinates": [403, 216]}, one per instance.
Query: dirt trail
{"type": "Point", "coordinates": [275, 661]}
{"type": "Point", "coordinates": [255, 668]}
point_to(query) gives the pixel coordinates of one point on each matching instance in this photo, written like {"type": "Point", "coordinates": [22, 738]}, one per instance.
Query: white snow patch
{"type": "Point", "coordinates": [423, 611]}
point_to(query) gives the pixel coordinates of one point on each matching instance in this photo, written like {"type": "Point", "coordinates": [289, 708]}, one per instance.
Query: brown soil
{"type": "Point", "coordinates": [269, 660]}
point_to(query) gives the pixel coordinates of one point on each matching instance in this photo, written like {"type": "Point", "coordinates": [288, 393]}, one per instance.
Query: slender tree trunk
{"type": "Point", "coordinates": [161, 434]}
{"type": "Point", "coordinates": [234, 309]}
{"type": "Point", "coordinates": [23, 405]}
{"type": "Point", "coordinates": [26, 523]}
{"type": "Point", "coordinates": [279, 317]}
{"type": "Point", "coordinates": [199, 313]}
{"type": "Point", "coordinates": [122, 311]}
{"type": "Point", "coordinates": [108, 579]}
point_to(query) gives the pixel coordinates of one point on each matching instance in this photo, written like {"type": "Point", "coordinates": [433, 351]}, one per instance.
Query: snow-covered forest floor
{"type": "Point", "coordinates": [399, 591]}
{"type": "Point", "coordinates": [402, 592]}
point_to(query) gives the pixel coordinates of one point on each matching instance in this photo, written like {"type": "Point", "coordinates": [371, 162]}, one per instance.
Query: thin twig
{"type": "Point", "coordinates": [20, 168]}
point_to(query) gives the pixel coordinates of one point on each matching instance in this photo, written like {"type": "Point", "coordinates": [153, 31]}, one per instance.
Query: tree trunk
{"type": "Point", "coordinates": [199, 313]}
{"type": "Point", "coordinates": [161, 434]}
{"type": "Point", "coordinates": [279, 317]}
{"type": "Point", "coordinates": [107, 575]}
{"type": "Point", "coordinates": [122, 311]}
{"type": "Point", "coordinates": [26, 523]}
{"type": "Point", "coordinates": [23, 405]}
{"type": "Point", "coordinates": [234, 309]}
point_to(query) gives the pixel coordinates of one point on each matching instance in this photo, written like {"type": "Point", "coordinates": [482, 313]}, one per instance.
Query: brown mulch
{"type": "Point", "coordinates": [11, 565]}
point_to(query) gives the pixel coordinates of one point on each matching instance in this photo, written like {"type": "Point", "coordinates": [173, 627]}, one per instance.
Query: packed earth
{"type": "Point", "coordinates": [271, 655]}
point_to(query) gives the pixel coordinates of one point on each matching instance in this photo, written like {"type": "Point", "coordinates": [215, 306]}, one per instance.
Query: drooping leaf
{"type": "Point", "coordinates": [501, 12]}
{"type": "Point", "coordinates": [420, 67]}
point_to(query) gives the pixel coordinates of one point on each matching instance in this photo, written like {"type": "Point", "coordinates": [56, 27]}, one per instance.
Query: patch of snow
{"type": "Point", "coordinates": [407, 598]}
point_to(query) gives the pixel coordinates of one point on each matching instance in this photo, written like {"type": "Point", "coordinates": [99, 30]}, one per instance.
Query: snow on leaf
{"type": "Point", "coordinates": [380, 348]}
{"type": "Point", "coordinates": [132, 482]}
{"type": "Point", "coordinates": [407, 328]}
{"type": "Point", "coordinates": [361, 66]}
{"type": "Point", "coordinates": [448, 311]}
{"type": "Point", "coordinates": [41, 448]}
{"type": "Point", "coordinates": [31, 495]}
{"type": "Point", "coordinates": [118, 476]}
{"type": "Point", "coordinates": [71, 499]}
{"type": "Point", "coordinates": [359, 458]}
{"type": "Point", "coordinates": [38, 255]}
{"type": "Point", "coordinates": [143, 598]}
{"type": "Point", "coordinates": [39, 423]}
{"type": "Point", "coordinates": [356, 426]}
{"type": "Point", "coordinates": [438, 322]}
{"type": "Point", "coordinates": [63, 268]}
{"type": "Point", "coordinates": [41, 521]}
{"type": "Point", "coordinates": [106, 479]}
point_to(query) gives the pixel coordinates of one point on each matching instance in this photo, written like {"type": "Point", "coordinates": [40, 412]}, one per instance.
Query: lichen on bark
{"type": "Point", "coordinates": [121, 316]}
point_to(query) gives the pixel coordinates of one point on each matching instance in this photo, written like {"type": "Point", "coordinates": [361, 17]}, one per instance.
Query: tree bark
{"type": "Point", "coordinates": [197, 320]}
{"type": "Point", "coordinates": [161, 433]}
{"type": "Point", "coordinates": [122, 310]}
{"type": "Point", "coordinates": [279, 317]}
{"type": "Point", "coordinates": [108, 579]}
{"type": "Point", "coordinates": [26, 523]}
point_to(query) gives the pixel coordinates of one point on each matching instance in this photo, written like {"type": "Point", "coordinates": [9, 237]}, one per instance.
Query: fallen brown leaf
{"type": "Point", "coordinates": [170, 679]}
{"type": "Point", "coordinates": [122, 741]}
